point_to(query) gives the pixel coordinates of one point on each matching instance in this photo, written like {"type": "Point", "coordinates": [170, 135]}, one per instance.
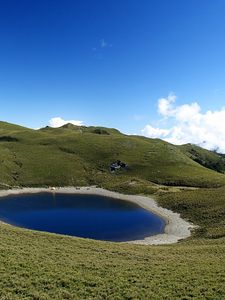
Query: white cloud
{"type": "Point", "coordinates": [165, 105]}
{"type": "Point", "coordinates": [58, 122]}
{"type": "Point", "coordinates": [189, 125]}
{"type": "Point", "coordinates": [155, 132]}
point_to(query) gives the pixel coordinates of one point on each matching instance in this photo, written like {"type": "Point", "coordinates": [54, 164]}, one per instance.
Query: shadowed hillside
{"type": "Point", "coordinates": [206, 158]}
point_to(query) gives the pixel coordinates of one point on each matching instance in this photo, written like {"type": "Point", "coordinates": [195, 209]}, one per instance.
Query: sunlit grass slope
{"type": "Point", "coordinates": [46, 266]}
{"type": "Point", "coordinates": [73, 155]}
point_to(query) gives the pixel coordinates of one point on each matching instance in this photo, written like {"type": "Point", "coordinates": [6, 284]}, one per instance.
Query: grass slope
{"type": "Point", "coordinates": [46, 266]}
{"type": "Point", "coordinates": [73, 155]}
{"type": "Point", "coordinates": [206, 158]}
{"type": "Point", "coordinates": [35, 265]}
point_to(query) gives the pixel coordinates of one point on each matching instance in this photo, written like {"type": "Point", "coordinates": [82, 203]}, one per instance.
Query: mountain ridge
{"type": "Point", "coordinates": [80, 155]}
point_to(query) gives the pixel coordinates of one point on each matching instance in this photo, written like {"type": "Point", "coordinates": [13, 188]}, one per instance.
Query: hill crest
{"type": "Point", "coordinates": [80, 155]}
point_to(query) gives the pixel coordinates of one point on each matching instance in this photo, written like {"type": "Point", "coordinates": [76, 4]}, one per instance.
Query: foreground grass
{"type": "Point", "coordinates": [46, 266]}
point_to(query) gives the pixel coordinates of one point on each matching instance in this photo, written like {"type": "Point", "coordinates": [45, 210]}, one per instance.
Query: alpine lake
{"type": "Point", "coordinates": [86, 216]}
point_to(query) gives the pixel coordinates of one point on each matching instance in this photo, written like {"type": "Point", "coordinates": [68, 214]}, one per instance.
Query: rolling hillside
{"type": "Point", "coordinates": [73, 155]}
{"type": "Point", "coordinates": [209, 159]}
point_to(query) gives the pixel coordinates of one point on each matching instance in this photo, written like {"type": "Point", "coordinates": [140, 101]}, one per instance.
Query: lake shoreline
{"type": "Point", "coordinates": [176, 228]}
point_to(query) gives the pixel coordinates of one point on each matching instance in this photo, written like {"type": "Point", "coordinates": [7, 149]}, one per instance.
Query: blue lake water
{"type": "Point", "coordinates": [87, 216]}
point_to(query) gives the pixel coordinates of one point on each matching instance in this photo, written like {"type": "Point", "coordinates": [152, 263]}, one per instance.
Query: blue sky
{"type": "Point", "coordinates": [107, 62]}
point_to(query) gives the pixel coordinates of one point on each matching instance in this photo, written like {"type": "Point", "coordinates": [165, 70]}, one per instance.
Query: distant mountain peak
{"type": "Point", "coordinates": [69, 126]}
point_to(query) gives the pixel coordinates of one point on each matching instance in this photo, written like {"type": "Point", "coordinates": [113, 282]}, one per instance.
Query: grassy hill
{"type": "Point", "coordinates": [206, 158]}
{"type": "Point", "coordinates": [35, 265]}
{"type": "Point", "coordinates": [73, 155]}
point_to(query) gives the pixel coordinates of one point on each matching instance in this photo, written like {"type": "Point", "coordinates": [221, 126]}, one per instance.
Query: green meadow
{"type": "Point", "coordinates": [186, 179]}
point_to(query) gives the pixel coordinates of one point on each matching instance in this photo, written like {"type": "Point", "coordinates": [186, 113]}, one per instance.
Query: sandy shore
{"type": "Point", "coordinates": [176, 228]}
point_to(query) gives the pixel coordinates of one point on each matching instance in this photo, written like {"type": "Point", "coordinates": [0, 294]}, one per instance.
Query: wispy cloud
{"type": "Point", "coordinates": [58, 122]}
{"type": "Point", "coordinates": [189, 124]}
{"type": "Point", "coordinates": [100, 48]}
{"type": "Point", "coordinates": [103, 43]}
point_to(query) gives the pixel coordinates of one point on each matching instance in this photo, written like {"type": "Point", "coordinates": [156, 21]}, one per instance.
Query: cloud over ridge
{"type": "Point", "coordinates": [189, 125]}
{"type": "Point", "coordinates": [58, 122]}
